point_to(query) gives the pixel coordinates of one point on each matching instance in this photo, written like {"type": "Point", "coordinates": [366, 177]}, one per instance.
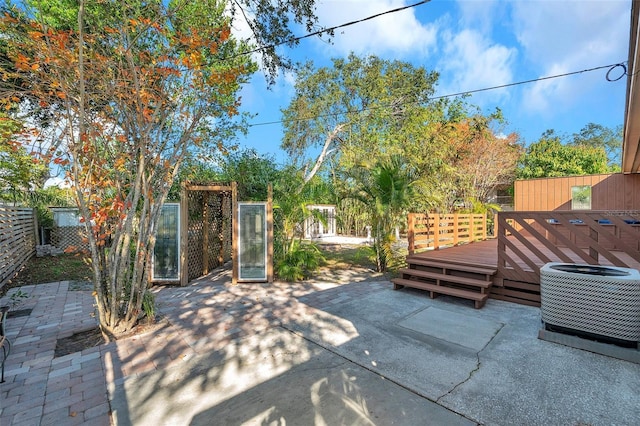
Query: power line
{"type": "Point", "coordinates": [451, 95]}
{"type": "Point", "coordinates": [330, 29]}
{"type": "Point", "coordinates": [468, 92]}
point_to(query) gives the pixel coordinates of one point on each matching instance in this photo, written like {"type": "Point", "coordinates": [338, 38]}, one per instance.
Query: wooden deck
{"type": "Point", "coordinates": [479, 253]}
{"type": "Point", "coordinates": [484, 254]}
{"type": "Point", "coordinates": [525, 241]}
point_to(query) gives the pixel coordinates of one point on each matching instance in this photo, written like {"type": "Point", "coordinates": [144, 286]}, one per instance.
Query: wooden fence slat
{"type": "Point", "coordinates": [566, 239]}
{"type": "Point", "coordinates": [528, 244]}
{"type": "Point", "coordinates": [530, 263]}
{"type": "Point", "coordinates": [598, 249]}
{"type": "Point", "coordinates": [617, 241]}
{"type": "Point", "coordinates": [17, 240]}
{"type": "Point", "coordinates": [438, 230]}
{"type": "Point", "coordinates": [568, 243]}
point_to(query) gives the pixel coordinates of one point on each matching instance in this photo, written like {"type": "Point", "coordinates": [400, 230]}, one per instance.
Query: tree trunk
{"type": "Point", "coordinates": [325, 151]}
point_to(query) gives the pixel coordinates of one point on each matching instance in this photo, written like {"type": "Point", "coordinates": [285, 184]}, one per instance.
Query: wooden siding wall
{"type": "Point", "coordinates": [17, 240]}
{"type": "Point", "coordinates": [608, 192]}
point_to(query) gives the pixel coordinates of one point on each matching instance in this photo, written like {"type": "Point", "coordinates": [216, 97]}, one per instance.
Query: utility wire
{"type": "Point", "coordinates": [468, 92]}
{"type": "Point", "coordinates": [451, 95]}
{"type": "Point", "coordinates": [330, 29]}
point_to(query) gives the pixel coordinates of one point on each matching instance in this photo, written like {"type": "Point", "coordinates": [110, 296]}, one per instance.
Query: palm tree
{"type": "Point", "coordinates": [385, 188]}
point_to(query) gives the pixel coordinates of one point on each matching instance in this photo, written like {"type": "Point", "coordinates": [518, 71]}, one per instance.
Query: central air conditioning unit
{"type": "Point", "coordinates": [601, 301]}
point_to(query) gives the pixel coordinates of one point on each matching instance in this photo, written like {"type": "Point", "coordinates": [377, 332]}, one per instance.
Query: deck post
{"type": "Point", "coordinates": [436, 231]}
{"type": "Point", "coordinates": [456, 226]}
{"type": "Point", "coordinates": [411, 224]}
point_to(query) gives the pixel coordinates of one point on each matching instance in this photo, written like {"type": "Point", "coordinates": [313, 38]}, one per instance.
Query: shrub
{"type": "Point", "coordinates": [299, 262]}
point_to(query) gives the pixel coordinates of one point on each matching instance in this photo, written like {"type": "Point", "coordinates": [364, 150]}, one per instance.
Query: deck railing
{"type": "Point", "coordinates": [434, 231]}
{"type": "Point", "coordinates": [529, 239]}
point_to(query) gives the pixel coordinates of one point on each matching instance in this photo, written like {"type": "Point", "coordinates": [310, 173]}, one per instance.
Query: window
{"type": "Point", "coordinates": [252, 245]}
{"type": "Point", "coordinates": [166, 252]}
{"type": "Point", "coordinates": [581, 197]}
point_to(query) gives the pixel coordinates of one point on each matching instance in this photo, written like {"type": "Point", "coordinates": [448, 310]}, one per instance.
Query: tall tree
{"type": "Point", "coordinates": [356, 107]}
{"type": "Point", "coordinates": [139, 86]}
{"type": "Point", "coordinates": [598, 136]}
{"type": "Point", "coordinates": [549, 157]}
{"type": "Point", "coordinates": [481, 159]}
{"type": "Point", "coordinates": [344, 114]}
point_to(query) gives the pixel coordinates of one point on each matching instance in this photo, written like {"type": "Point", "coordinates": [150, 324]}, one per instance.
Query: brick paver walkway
{"type": "Point", "coordinates": [41, 389]}
{"type": "Point", "coordinates": [204, 316]}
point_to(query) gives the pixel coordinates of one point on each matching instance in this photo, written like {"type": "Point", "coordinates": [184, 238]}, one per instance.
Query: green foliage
{"type": "Point", "coordinates": [549, 157]}
{"type": "Point", "coordinates": [195, 172]}
{"type": "Point", "coordinates": [253, 173]}
{"type": "Point", "coordinates": [299, 262]}
{"type": "Point", "coordinates": [291, 197]}
{"type": "Point", "coordinates": [366, 107]}
{"type": "Point", "coordinates": [597, 136]}
{"type": "Point", "coordinates": [20, 170]}
{"type": "Point", "coordinates": [42, 199]}
{"type": "Point", "coordinates": [359, 105]}
{"type": "Point", "coordinates": [149, 305]}
{"type": "Point", "coordinates": [17, 298]}
{"type": "Point", "coordinates": [352, 216]}
{"type": "Point", "coordinates": [290, 207]}
{"type": "Point", "coordinates": [386, 188]}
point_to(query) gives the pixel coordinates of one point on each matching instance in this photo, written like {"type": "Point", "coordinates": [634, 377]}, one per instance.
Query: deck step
{"type": "Point", "coordinates": [488, 271]}
{"type": "Point", "coordinates": [434, 290]}
{"type": "Point", "coordinates": [406, 273]}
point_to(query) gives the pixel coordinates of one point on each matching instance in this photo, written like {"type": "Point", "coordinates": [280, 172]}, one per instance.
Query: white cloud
{"type": "Point", "coordinates": [471, 61]}
{"type": "Point", "coordinates": [564, 36]}
{"type": "Point", "coordinates": [482, 15]}
{"type": "Point", "coordinates": [57, 181]}
{"type": "Point", "coordinates": [399, 33]}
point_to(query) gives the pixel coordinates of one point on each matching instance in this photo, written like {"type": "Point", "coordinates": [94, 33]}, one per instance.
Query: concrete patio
{"type": "Point", "coordinates": [309, 353]}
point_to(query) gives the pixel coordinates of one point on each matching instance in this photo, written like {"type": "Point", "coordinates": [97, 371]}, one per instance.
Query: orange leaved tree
{"type": "Point", "coordinates": [138, 86]}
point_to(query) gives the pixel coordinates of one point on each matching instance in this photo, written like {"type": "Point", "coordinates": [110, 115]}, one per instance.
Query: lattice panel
{"type": "Point", "coordinates": [194, 244]}
{"type": "Point", "coordinates": [64, 237]}
{"type": "Point", "coordinates": [210, 213]}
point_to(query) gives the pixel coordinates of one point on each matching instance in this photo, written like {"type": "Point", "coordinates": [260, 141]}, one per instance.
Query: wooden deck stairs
{"type": "Point", "coordinates": [440, 276]}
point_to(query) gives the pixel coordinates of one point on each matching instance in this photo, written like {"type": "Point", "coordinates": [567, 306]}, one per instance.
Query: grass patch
{"type": "Point", "coordinates": [344, 257]}
{"type": "Point", "coordinates": [40, 270]}
{"type": "Point", "coordinates": [347, 256]}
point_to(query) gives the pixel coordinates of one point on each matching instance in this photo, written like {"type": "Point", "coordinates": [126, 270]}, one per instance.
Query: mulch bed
{"type": "Point", "coordinates": [78, 342]}
{"type": "Point", "coordinates": [19, 313]}
{"type": "Point", "coordinates": [93, 337]}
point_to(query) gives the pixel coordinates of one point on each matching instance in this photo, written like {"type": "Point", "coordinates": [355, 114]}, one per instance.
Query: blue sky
{"type": "Point", "coordinates": [475, 44]}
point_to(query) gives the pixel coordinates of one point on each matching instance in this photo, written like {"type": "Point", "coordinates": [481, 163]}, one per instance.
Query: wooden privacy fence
{"type": "Point", "coordinates": [17, 239]}
{"type": "Point", "coordinates": [528, 240]}
{"type": "Point", "coordinates": [434, 231]}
